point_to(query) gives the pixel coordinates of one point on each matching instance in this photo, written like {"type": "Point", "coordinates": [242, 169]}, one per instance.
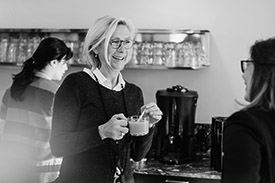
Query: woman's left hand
{"type": "Point", "coordinates": [153, 111]}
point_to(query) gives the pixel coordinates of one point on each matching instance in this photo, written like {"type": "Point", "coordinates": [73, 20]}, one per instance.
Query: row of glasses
{"type": "Point", "coordinates": [170, 54]}
{"type": "Point", "coordinates": [17, 49]}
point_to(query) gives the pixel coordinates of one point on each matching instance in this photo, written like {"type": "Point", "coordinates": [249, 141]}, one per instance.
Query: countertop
{"type": "Point", "coordinates": [199, 168]}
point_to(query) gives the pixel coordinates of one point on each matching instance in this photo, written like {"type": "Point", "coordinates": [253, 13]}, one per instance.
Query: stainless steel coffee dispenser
{"type": "Point", "coordinates": [174, 138]}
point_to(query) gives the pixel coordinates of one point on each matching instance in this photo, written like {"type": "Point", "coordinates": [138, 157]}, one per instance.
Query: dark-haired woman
{"type": "Point", "coordinates": [249, 135]}
{"type": "Point", "coordinates": [27, 112]}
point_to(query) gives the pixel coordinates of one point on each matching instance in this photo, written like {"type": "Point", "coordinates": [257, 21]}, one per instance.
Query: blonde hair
{"type": "Point", "coordinates": [102, 30]}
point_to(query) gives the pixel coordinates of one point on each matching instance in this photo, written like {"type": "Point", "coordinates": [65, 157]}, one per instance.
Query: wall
{"type": "Point", "coordinates": [234, 26]}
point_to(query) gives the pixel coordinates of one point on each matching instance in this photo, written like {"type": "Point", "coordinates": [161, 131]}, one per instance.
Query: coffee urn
{"type": "Point", "coordinates": [174, 137]}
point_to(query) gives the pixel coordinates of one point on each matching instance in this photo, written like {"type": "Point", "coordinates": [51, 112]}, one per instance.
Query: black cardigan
{"type": "Point", "coordinates": [78, 111]}
{"type": "Point", "coordinates": [249, 147]}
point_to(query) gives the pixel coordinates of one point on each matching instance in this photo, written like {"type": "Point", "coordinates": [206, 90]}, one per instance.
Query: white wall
{"type": "Point", "coordinates": [234, 26]}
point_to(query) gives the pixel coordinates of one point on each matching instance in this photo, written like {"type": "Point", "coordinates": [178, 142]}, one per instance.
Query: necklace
{"type": "Point", "coordinates": [120, 166]}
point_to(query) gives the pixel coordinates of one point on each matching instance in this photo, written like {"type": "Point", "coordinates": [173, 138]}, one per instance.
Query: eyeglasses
{"type": "Point", "coordinates": [244, 64]}
{"type": "Point", "coordinates": [116, 43]}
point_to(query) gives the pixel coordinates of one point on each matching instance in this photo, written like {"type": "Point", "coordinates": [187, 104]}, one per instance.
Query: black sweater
{"type": "Point", "coordinates": [78, 111]}
{"type": "Point", "coordinates": [249, 147]}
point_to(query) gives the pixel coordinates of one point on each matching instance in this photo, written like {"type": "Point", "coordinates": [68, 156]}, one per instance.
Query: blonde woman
{"type": "Point", "coordinates": [91, 109]}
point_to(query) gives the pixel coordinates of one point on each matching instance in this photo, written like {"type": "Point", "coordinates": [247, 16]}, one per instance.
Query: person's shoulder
{"type": "Point", "coordinates": [132, 86]}
{"type": "Point", "coordinates": [78, 74]}
{"type": "Point", "coordinates": [6, 95]}
{"type": "Point", "coordinates": [77, 81]}
{"type": "Point", "coordinates": [45, 84]}
{"type": "Point", "coordinates": [251, 118]}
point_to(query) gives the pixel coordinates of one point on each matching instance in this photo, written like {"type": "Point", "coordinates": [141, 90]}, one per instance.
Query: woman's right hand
{"type": "Point", "coordinates": [115, 128]}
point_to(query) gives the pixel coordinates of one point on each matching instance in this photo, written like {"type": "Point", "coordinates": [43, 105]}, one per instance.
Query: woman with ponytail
{"type": "Point", "coordinates": [26, 111]}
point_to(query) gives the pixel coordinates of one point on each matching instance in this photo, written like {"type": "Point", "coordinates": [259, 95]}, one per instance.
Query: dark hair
{"type": "Point", "coordinates": [262, 92]}
{"type": "Point", "coordinates": [49, 49]}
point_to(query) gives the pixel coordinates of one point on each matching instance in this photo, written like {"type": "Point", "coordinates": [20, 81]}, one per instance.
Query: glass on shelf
{"type": "Point", "coordinates": [12, 50]}
{"type": "Point", "coordinates": [77, 49]}
{"type": "Point", "coordinates": [201, 55]}
{"type": "Point", "coordinates": [158, 53]}
{"type": "Point", "coordinates": [32, 44]}
{"type": "Point", "coordinates": [188, 56]}
{"type": "Point", "coordinates": [29, 50]}
{"type": "Point", "coordinates": [170, 54]}
{"type": "Point", "coordinates": [180, 54]}
{"type": "Point", "coordinates": [146, 53]}
{"type": "Point", "coordinates": [22, 54]}
{"type": "Point", "coordinates": [73, 45]}
{"type": "Point", "coordinates": [36, 41]}
{"type": "Point", "coordinates": [4, 43]}
{"type": "Point", "coordinates": [80, 53]}
{"type": "Point", "coordinates": [135, 54]}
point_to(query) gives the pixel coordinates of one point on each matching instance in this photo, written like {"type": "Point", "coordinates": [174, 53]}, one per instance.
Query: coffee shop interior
{"type": "Point", "coordinates": [225, 30]}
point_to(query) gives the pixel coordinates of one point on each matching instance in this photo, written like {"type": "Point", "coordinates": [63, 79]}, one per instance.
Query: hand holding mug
{"type": "Point", "coordinates": [115, 128]}
{"type": "Point", "coordinates": [138, 125]}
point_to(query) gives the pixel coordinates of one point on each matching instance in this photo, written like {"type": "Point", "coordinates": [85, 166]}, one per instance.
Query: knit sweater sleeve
{"type": "Point", "coordinates": [66, 138]}
{"type": "Point", "coordinates": [141, 145]}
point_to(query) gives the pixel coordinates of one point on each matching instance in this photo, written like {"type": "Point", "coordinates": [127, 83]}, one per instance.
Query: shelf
{"type": "Point", "coordinates": [160, 67]}
{"type": "Point", "coordinates": [152, 49]}
{"type": "Point", "coordinates": [8, 64]}
{"type": "Point", "coordinates": [27, 30]}
{"type": "Point", "coordinates": [143, 67]}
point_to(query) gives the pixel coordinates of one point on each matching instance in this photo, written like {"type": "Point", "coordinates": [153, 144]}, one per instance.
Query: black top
{"type": "Point", "coordinates": [249, 147]}
{"type": "Point", "coordinates": [78, 111]}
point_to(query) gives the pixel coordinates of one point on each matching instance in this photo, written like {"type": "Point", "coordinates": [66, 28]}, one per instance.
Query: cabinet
{"type": "Point", "coordinates": [152, 49]}
{"type": "Point", "coordinates": [142, 178]}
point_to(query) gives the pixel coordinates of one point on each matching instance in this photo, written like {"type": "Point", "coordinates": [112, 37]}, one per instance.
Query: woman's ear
{"type": "Point", "coordinates": [53, 62]}
{"type": "Point", "coordinates": [95, 53]}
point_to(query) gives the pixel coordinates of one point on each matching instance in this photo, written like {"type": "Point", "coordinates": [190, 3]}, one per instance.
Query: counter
{"type": "Point", "coordinates": [197, 171]}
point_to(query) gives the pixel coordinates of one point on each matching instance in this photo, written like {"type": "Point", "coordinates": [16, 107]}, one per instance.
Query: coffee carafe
{"type": "Point", "coordinates": [174, 138]}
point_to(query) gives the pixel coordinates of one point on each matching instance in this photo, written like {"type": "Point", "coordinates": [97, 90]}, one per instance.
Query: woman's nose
{"type": "Point", "coordinates": [243, 76]}
{"type": "Point", "coordinates": [121, 48]}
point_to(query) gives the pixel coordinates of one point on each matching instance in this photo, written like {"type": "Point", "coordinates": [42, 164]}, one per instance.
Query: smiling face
{"type": "Point", "coordinates": [247, 76]}
{"type": "Point", "coordinates": [117, 57]}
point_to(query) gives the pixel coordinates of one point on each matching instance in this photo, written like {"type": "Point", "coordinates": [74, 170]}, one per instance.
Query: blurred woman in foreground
{"type": "Point", "coordinates": [249, 135]}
